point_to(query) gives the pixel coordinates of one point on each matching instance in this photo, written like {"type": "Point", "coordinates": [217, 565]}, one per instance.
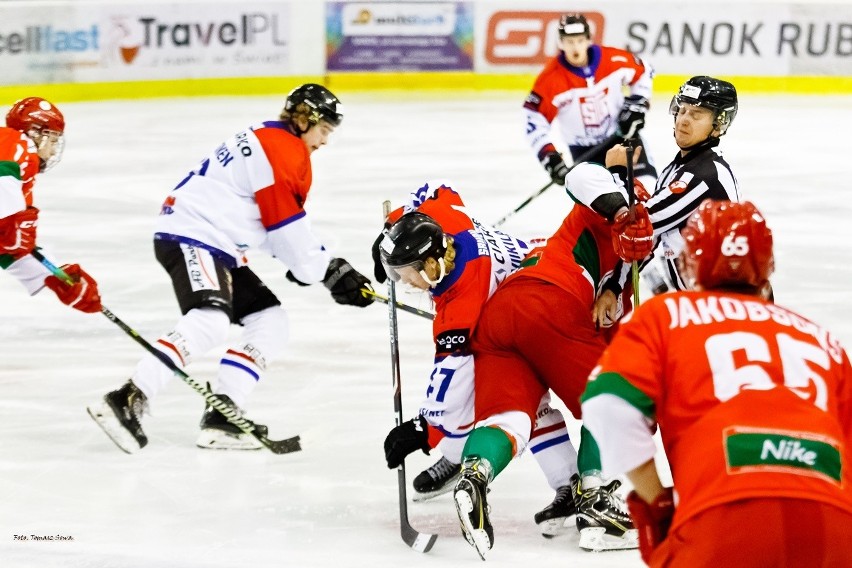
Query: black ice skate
{"type": "Point", "coordinates": [219, 434]}
{"type": "Point", "coordinates": [120, 415]}
{"type": "Point", "coordinates": [554, 520]}
{"type": "Point", "coordinates": [436, 480]}
{"type": "Point", "coordinates": [603, 521]}
{"type": "Point", "coordinates": [471, 505]}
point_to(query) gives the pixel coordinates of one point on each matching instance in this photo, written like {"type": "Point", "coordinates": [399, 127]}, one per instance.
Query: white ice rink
{"type": "Point", "coordinates": [335, 503]}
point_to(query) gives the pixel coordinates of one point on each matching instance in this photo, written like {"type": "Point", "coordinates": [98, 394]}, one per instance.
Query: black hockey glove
{"type": "Point", "coordinates": [554, 165]}
{"type": "Point", "coordinates": [378, 268]}
{"type": "Point", "coordinates": [406, 438]}
{"type": "Point", "coordinates": [631, 119]}
{"type": "Point", "coordinates": [345, 284]}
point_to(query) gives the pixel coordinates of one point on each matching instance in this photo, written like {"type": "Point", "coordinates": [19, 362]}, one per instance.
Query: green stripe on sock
{"type": "Point", "coordinates": [492, 444]}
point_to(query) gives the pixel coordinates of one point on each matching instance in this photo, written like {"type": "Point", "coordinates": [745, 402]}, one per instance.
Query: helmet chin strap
{"type": "Point", "coordinates": [441, 274]}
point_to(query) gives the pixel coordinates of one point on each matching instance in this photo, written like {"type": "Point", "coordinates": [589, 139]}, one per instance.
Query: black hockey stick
{"type": "Point", "coordinates": [580, 159]}
{"type": "Point", "coordinates": [276, 446]}
{"type": "Point", "coordinates": [399, 305]}
{"type": "Point", "coordinates": [421, 542]}
{"type": "Point", "coordinates": [629, 144]}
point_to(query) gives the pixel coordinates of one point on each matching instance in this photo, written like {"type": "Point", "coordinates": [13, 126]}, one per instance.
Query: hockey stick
{"type": "Point", "coordinates": [580, 159]}
{"type": "Point", "coordinates": [399, 305]}
{"type": "Point", "coordinates": [276, 446]}
{"type": "Point", "coordinates": [421, 542]}
{"type": "Point", "coordinates": [631, 204]}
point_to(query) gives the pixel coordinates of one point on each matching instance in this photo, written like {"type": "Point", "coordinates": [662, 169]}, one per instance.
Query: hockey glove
{"type": "Point", "coordinates": [345, 284]}
{"type": "Point", "coordinates": [18, 233]}
{"type": "Point", "coordinates": [652, 520]}
{"type": "Point", "coordinates": [555, 167]}
{"type": "Point", "coordinates": [81, 295]}
{"type": "Point", "coordinates": [378, 267]}
{"type": "Point", "coordinates": [405, 439]}
{"type": "Point", "coordinates": [633, 240]}
{"type": "Point", "coordinates": [631, 119]}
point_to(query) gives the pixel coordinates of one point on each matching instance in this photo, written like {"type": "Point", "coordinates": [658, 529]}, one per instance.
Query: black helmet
{"type": "Point", "coordinates": [322, 103]}
{"type": "Point", "coordinates": [574, 24]}
{"type": "Point", "coordinates": [715, 94]}
{"type": "Point", "coordinates": [410, 241]}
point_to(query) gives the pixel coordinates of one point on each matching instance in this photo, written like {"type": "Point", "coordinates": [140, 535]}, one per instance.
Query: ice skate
{"type": "Point", "coordinates": [603, 521]}
{"type": "Point", "coordinates": [219, 434]}
{"type": "Point", "coordinates": [471, 505]}
{"type": "Point", "coordinates": [120, 415]}
{"type": "Point", "coordinates": [555, 519]}
{"type": "Point", "coordinates": [436, 480]}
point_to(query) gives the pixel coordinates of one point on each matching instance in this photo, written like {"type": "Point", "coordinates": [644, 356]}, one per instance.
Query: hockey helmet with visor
{"type": "Point", "coordinates": [727, 245]}
{"type": "Point", "coordinates": [321, 103]}
{"type": "Point", "coordinates": [409, 243]}
{"type": "Point", "coordinates": [44, 124]}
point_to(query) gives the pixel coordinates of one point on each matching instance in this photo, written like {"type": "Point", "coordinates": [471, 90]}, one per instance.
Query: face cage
{"type": "Point", "coordinates": [48, 141]}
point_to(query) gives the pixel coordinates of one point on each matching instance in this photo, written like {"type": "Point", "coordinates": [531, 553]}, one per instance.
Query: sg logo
{"type": "Point", "coordinates": [529, 38]}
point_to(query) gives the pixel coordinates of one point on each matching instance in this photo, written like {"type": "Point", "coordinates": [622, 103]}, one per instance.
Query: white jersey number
{"type": "Point", "coordinates": [729, 379]}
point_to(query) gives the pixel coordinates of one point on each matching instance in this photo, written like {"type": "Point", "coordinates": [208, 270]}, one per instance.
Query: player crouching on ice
{"type": "Point", "coordinates": [434, 244]}
{"type": "Point", "coordinates": [248, 193]}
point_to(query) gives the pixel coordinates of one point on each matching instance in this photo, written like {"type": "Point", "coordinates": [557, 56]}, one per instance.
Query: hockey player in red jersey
{"type": "Point", "coordinates": [434, 244]}
{"type": "Point", "coordinates": [580, 90]}
{"type": "Point", "coordinates": [753, 403]}
{"type": "Point", "coordinates": [249, 193]}
{"type": "Point", "coordinates": [537, 333]}
{"type": "Point", "coordinates": [32, 143]}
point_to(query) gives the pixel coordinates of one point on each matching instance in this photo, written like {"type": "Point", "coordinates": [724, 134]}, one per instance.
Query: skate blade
{"type": "Point", "coordinates": [106, 419]}
{"type": "Point", "coordinates": [211, 439]}
{"type": "Point", "coordinates": [477, 538]}
{"type": "Point", "coordinates": [596, 540]}
{"type": "Point", "coordinates": [426, 495]}
{"type": "Point", "coordinates": [559, 526]}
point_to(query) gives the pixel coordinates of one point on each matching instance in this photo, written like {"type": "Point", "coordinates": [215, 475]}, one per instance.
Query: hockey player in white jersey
{"type": "Point", "coordinates": [249, 193]}
{"type": "Point", "coordinates": [581, 91]}
{"type": "Point", "coordinates": [433, 244]}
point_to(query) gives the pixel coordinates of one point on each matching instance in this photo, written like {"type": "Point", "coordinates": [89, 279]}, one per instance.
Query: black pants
{"type": "Point", "coordinates": [202, 279]}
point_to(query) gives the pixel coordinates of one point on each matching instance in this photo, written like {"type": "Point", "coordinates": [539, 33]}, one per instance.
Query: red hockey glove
{"type": "Point", "coordinates": [81, 295]}
{"type": "Point", "coordinates": [633, 240]}
{"type": "Point", "coordinates": [18, 233]}
{"type": "Point", "coordinates": [642, 194]}
{"type": "Point", "coordinates": [652, 520]}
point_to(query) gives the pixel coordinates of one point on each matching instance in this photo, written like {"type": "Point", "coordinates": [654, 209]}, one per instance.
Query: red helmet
{"type": "Point", "coordinates": [727, 244]}
{"type": "Point", "coordinates": [35, 112]}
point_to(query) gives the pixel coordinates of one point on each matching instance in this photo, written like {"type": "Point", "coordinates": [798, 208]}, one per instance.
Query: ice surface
{"type": "Point", "coordinates": [335, 503]}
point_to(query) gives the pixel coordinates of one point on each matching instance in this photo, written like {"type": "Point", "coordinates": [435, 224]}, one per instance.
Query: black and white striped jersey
{"type": "Point", "coordinates": [683, 184]}
{"type": "Point", "coordinates": [687, 181]}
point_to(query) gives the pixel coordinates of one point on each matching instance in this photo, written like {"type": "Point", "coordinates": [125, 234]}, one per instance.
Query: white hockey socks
{"type": "Point", "coordinates": [265, 336]}
{"type": "Point", "coordinates": [552, 448]}
{"type": "Point", "coordinates": [196, 333]}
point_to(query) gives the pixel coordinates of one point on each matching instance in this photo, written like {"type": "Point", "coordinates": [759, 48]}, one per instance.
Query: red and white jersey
{"type": "Point", "coordinates": [19, 165]}
{"type": "Point", "coordinates": [752, 400]}
{"type": "Point", "coordinates": [584, 102]}
{"type": "Point", "coordinates": [249, 193]}
{"type": "Point", "coordinates": [578, 257]}
{"type": "Point", "coordinates": [484, 257]}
